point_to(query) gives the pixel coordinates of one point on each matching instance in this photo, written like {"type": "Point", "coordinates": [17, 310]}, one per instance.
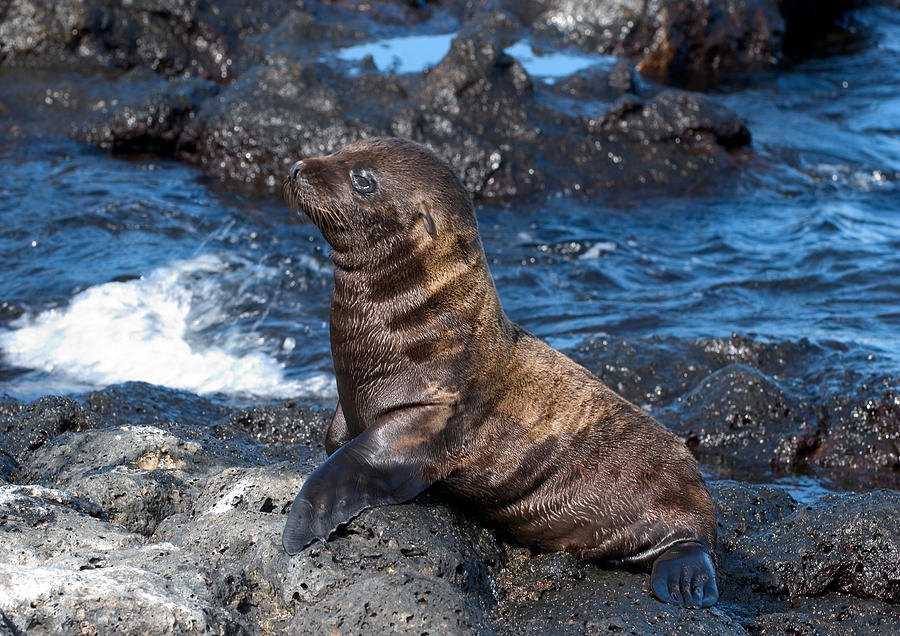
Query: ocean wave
{"type": "Point", "coordinates": [147, 329]}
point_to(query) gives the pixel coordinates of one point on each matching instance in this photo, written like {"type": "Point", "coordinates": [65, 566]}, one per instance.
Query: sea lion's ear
{"type": "Point", "coordinates": [425, 213]}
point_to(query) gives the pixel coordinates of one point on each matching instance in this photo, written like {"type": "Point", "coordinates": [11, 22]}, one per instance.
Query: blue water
{"type": "Point", "coordinates": [415, 53]}
{"type": "Point", "coordinates": [407, 54]}
{"type": "Point", "coordinates": [116, 270]}
{"type": "Point", "coordinates": [549, 65]}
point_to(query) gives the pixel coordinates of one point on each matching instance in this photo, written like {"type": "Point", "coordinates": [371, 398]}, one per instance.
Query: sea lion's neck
{"type": "Point", "coordinates": [420, 302]}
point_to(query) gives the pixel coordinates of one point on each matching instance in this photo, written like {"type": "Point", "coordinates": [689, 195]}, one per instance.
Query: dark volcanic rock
{"type": "Point", "coordinates": [747, 407]}
{"type": "Point", "coordinates": [133, 403]}
{"type": "Point", "coordinates": [477, 108]}
{"type": "Point", "coordinates": [253, 131]}
{"type": "Point", "coordinates": [171, 524]}
{"type": "Point", "coordinates": [785, 567]}
{"type": "Point", "coordinates": [482, 94]}
{"type": "Point", "coordinates": [838, 615]}
{"type": "Point", "coordinates": [24, 430]}
{"type": "Point", "coordinates": [186, 528]}
{"type": "Point", "coordinates": [679, 41]}
{"type": "Point", "coordinates": [675, 40]}
{"type": "Point", "coordinates": [556, 594]}
{"type": "Point", "coordinates": [289, 423]}
{"type": "Point", "coordinates": [137, 474]}
{"type": "Point", "coordinates": [742, 417]}
{"type": "Point", "coordinates": [601, 84]}
{"type": "Point", "coordinates": [706, 38]}
{"type": "Point", "coordinates": [846, 543]}
{"type": "Point", "coordinates": [861, 438]}
{"type": "Point", "coordinates": [155, 126]}
{"type": "Point", "coordinates": [675, 116]}
{"type": "Point", "coordinates": [686, 42]}
{"type": "Point", "coordinates": [176, 38]}
{"type": "Point", "coordinates": [7, 467]}
{"type": "Point", "coordinates": [433, 565]}
{"type": "Point", "coordinates": [747, 508]}
{"type": "Point", "coordinates": [189, 38]}
{"type": "Point", "coordinates": [655, 371]}
{"type": "Point", "coordinates": [251, 92]}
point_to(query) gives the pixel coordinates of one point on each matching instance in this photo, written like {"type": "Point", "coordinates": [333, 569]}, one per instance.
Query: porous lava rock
{"type": "Point", "coordinates": [165, 517]}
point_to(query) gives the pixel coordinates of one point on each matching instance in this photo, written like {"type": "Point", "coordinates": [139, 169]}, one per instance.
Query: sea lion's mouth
{"type": "Point", "coordinates": [300, 196]}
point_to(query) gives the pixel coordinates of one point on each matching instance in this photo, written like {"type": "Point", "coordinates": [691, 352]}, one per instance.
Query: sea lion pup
{"type": "Point", "coordinates": [436, 385]}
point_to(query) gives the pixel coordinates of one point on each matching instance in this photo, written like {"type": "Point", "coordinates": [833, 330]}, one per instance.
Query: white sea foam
{"type": "Point", "coordinates": [597, 250]}
{"type": "Point", "coordinates": [136, 330]}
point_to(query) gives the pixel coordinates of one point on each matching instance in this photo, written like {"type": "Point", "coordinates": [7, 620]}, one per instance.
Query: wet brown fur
{"type": "Point", "coordinates": [534, 441]}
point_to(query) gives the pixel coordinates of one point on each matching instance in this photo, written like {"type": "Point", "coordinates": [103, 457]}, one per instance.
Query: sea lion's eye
{"type": "Point", "coordinates": [363, 181]}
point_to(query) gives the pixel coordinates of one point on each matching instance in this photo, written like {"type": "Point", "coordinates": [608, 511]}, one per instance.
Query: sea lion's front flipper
{"type": "Point", "coordinates": [337, 434]}
{"type": "Point", "coordinates": [387, 463]}
{"type": "Point", "coordinates": [684, 574]}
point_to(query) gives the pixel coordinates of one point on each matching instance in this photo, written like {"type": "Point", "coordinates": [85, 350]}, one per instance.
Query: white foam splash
{"type": "Point", "coordinates": [135, 330]}
{"type": "Point", "coordinates": [597, 250]}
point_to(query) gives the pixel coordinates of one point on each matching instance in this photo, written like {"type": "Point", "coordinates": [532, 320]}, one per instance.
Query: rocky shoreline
{"type": "Point", "coordinates": [242, 93]}
{"type": "Point", "coordinates": [139, 509]}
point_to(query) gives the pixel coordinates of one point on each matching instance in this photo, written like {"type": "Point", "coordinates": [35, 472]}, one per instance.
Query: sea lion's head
{"type": "Point", "coordinates": [372, 194]}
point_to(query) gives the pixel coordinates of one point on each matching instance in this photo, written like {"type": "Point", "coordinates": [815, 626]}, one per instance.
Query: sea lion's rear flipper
{"type": "Point", "coordinates": [385, 464]}
{"type": "Point", "coordinates": [684, 574]}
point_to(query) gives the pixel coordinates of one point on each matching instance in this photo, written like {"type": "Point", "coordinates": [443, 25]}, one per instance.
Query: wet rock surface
{"type": "Point", "coordinates": [672, 39]}
{"type": "Point", "coordinates": [690, 42]}
{"type": "Point", "coordinates": [861, 433]}
{"type": "Point", "coordinates": [749, 408]}
{"type": "Point", "coordinates": [162, 511]}
{"type": "Point", "coordinates": [243, 94]}
{"type": "Point", "coordinates": [175, 39]}
{"type": "Point", "coordinates": [504, 135]}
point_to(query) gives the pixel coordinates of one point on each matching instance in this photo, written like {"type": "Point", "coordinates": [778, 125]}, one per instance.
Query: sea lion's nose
{"type": "Point", "coordinates": [296, 169]}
